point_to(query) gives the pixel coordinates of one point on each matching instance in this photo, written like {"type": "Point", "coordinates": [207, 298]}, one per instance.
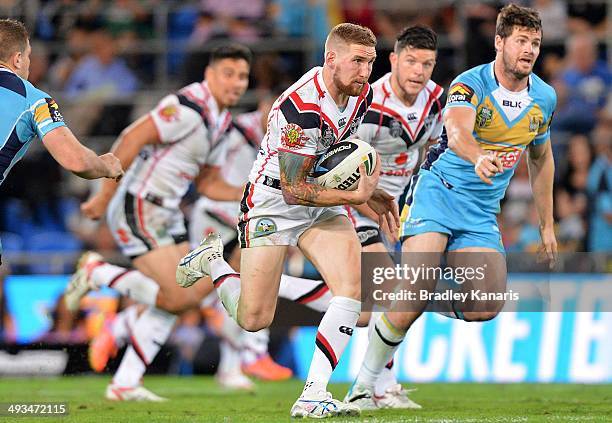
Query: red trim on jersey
{"type": "Point", "coordinates": [362, 97]}
{"type": "Point", "coordinates": [296, 152]}
{"type": "Point", "coordinates": [311, 107]}
{"type": "Point", "coordinates": [318, 86]}
{"type": "Point", "coordinates": [381, 108]}
{"type": "Point", "coordinates": [433, 95]}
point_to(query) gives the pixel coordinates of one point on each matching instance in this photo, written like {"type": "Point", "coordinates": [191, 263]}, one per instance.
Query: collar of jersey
{"type": "Point", "coordinates": [500, 110]}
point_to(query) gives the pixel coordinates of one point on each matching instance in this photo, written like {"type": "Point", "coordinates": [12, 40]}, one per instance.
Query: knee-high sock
{"type": "Point", "coordinates": [227, 283]}
{"type": "Point", "coordinates": [312, 293]}
{"type": "Point", "coordinates": [149, 334]}
{"type": "Point", "coordinates": [383, 343]}
{"type": "Point", "coordinates": [229, 361]}
{"type": "Point", "coordinates": [254, 345]}
{"type": "Point", "coordinates": [387, 378]}
{"type": "Point", "coordinates": [122, 324]}
{"type": "Point", "coordinates": [334, 333]}
{"type": "Point", "coordinates": [130, 283]}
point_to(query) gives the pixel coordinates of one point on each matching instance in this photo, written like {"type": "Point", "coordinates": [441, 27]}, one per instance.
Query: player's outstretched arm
{"type": "Point", "coordinates": [78, 159]}
{"type": "Point", "coordinates": [459, 123]}
{"type": "Point", "coordinates": [211, 183]}
{"type": "Point", "coordinates": [541, 166]}
{"type": "Point", "coordinates": [126, 148]}
{"type": "Point", "coordinates": [294, 168]}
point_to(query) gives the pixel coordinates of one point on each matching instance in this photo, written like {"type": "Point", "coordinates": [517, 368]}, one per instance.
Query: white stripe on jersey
{"type": "Point", "coordinates": [398, 132]}
{"type": "Point", "coordinates": [190, 128]}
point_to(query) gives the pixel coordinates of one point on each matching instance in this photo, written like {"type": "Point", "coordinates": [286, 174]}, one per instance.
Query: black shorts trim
{"type": "Point", "coordinates": [368, 235]}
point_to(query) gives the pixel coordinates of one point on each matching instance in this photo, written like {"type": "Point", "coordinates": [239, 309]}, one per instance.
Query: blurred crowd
{"type": "Point", "coordinates": [100, 59]}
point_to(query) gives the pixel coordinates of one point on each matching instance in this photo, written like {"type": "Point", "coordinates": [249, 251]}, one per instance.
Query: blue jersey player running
{"type": "Point", "coordinates": [28, 112]}
{"type": "Point", "coordinates": [494, 112]}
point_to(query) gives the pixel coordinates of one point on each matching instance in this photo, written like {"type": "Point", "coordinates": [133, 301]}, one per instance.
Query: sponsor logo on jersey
{"type": "Point", "coordinates": [367, 234]}
{"type": "Point", "coordinates": [509, 158]}
{"type": "Point", "coordinates": [56, 116]}
{"type": "Point", "coordinates": [513, 104]}
{"type": "Point", "coordinates": [484, 117]}
{"type": "Point", "coordinates": [169, 113]}
{"type": "Point", "coordinates": [346, 330]}
{"type": "Point", "coordinates": [292, 137]}
{"type": "Point", "coordinates": [265, 226]}
{"type": "Point", "coordinates": [459, 93]}
{"type": "Point", "coordinates": [395, 128]}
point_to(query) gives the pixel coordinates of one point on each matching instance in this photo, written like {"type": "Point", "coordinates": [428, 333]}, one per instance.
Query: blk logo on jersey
{"type": "Point", "coordinates": [513, 104]}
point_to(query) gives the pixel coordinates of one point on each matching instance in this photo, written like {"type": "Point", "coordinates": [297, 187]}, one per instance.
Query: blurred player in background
{"type": "Point", "coordinates": [493, 113]}
{"type": "Point", "coordinates": [28, 112]}
{"type": "Point", "coordinates": [165, 150]}
{"type": "Point", "coordinates": [238, 347]}
{"type": "Point", "coordinates": [281, 208]}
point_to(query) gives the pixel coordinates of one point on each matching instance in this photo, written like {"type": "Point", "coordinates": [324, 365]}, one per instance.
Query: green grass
{"type": "Point", "coordinates": [198, 399]}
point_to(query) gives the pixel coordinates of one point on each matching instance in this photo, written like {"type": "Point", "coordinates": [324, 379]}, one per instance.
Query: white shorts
{"type": "Point", "coordinates": [368, 230]}
{"type": "Point", "coordinates": [265, 218]}
{"type": "Point", "coordinates": [204, 222]}
{"type": "Point", "coordinates": [141, 225]}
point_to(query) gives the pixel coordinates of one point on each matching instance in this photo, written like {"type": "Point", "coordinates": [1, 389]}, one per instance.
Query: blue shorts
{"type": "Point", "coordinates": [432, 205]}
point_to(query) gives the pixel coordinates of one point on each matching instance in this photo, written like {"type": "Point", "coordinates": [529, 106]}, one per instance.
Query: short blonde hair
{"type": "Point", "coordinates": [349, 33]}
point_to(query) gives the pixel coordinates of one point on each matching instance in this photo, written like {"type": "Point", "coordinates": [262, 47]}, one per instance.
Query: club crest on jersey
{"type": "Point", "coordinates": [292, 137]}
{"type": "Point", "coordinates": [265, 227]}
{"type": "Point", "coordinates": [327, 139]}
{"type": "Point", "coordinates": [484, 117]}
{"type": "Point", "coordinates": [169, 113]}
{"type": "Point", "coordinates": [395, 128]}
{"type": "Point", "coordinates": [534, 124]}
{"type": "Point", "coordinates": [354, 125]}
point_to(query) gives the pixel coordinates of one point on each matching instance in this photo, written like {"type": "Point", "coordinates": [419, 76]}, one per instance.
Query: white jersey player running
{"type": "Point", "coordinates": [282, 207]}
{"type": "Point", "coordinates": [165, 150]}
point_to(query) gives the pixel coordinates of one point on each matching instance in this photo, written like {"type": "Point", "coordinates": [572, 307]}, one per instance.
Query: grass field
{"type": "Point", "coordinates": [198, 399]}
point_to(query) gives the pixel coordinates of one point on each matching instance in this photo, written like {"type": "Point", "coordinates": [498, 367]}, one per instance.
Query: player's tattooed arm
{"type": "Point", "coordinates": [294, 169]}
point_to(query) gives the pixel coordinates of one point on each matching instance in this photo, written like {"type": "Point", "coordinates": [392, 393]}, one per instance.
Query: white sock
{"type": "Point", "coordinates": [130, 283]}
{"type": "Point", "coordinates": [334, 333]}
{"type": "Point", "coordinates": [387, 378]}
{"type": "Point", "coordinates": [229, 330]}
{"type": "Point", "coordinates": [122, 324]}
{"type": "Point", "coordinates": [149, 334]}
{"type": "Point", "coordinates": [227, 283]}
{"type": "Point", "coordinates": [229, 361]}
{"type": "Point", "coordinates": [254, 345]}
{"type": "Point", "coordinates": [382, 345]}
{"type": "Point", "coordinates": [312, 293]}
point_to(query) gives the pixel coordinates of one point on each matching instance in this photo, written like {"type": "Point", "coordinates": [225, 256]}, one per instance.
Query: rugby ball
{"type": "Point", "coordinates": [338, 166]}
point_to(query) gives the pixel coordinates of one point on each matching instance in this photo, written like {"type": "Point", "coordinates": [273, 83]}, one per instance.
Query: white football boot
{"type": "Point", "coordinates": [137, 393]}
{"type": "Point", "coordinates": [361, 396]}
{"type": "Point", "coordinates": [80, 282]}
{"type": "Point", "coordinates": [321, 406]}
{"type": "Point", "coordinates": [196, 264]}
{"type": "Point", "coordinates": [396, 397]}
{"type": "Point", "coordinates": [234, 381]}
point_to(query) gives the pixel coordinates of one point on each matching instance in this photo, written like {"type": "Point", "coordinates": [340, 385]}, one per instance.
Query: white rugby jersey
{"type": "Point", "coordinates": [242, 144]}
{"type": "Point", "coordinates": [397, 132]}
{"type": "Point", "coordinates": [306, 120]}
{"type": "Point", "coordinates": [190, 127]}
